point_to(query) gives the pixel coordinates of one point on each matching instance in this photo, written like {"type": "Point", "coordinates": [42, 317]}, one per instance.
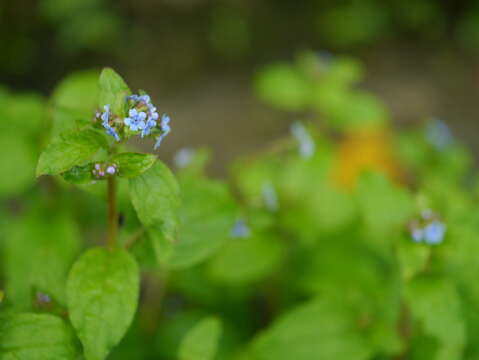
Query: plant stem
{"type": "Point", "coordinates": [112, 213]}
{"type": "Point", "coordinates": [134, 238]}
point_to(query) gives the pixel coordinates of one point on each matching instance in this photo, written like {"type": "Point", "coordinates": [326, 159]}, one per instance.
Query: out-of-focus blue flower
{"type": "Point", "coordinates": [105, 117]}
{"type": "Point", "coordinates": [434, 232]}
{"type": "Point", "coordinates": [136, 120]}
{"type": "Point", "coordinates": [438, 134]}
{"type": "Point", "coordinates": [183, 157]}
{"type": "Point", "coordinates": [270, 197]}
{"type": "Point", "coordinates": [304, 139]}
{"type": "Point", "coordinates": [240, 229]}
{"type": "Point", "coordinates": [417, 234]}
{"type": "Point", "coordinates": [165, 128]}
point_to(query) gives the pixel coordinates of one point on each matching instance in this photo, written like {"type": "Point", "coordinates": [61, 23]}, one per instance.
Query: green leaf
{"type": "Point", "coordinates": [434, 302]}
{"type": "Point", "coordinates": [17, 164]}
{"type": "Point", "coordinates": [70, 150]}
{"type": "Point", "coordinates": [384, 207]}
{"type": "Point", "coordinates": [26, 113]}
{"type": "Point", "coordinates": [79, 174]}
{"type": "Point", "coordinates": [264, 254]}
{"type": "Point", "coordinates": [78, 91]}
{"type": "Point", "coordinates": [319, 329]}
{"type": "Point", "coordinates": [113, 91]}
{"type": "Point", "coordinates": [281, 85]}
{"type": "Point", "coordinates": [39, 250]}
{"type": "Point", "coordinates": [133, 164]}
{"type": "Point", "coordinates": [201, 342]}
{"type": "Point", "coordinates": [29, 336]}
{"type": "Point", "coordinates": [155, 197]}
{"type": "Point", "coordinates": [74, 101]}
{"type": "Point", "coordinates": [102, 292]}
{"type": "Point", "coordinates": [207, 214]}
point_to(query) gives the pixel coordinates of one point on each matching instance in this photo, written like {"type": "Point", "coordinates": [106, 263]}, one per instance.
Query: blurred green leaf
{"type": "Point", "coordinates": [353, 23]}
{"type": "Point", "coordinates": [35, 336]}
{"type": "Point", "coordinates": [319, 329]}
{"type": "Point", "coordinates": [102, 291]}
{"type": "Point", "coordinates": [264, 254]}
{"type": "Point", "coordinates": [69, 150]}
{"type": "Point", "coordinates": [78, 91]}
{"type": "Point", "coordinates": [133, 164]}
{"type": "Point", "coordinates": [435, 303]}
{"type": "Point", "coordinates": [206, 215]}
{"type": "Point", "coordinates": [39, 250]}
{"type": "Point", "coordinates": [384, 207]}
{"type": "Point", "coordinates": [282, 86]}
{"type": "Point", "coordinates": [17, 164]}
{"type": "Point", "coordinates": [74, 101]}
{"type": "Point", "coordinates": [201, 342]}
{"type": "Point", "coordinates": [413, 257]}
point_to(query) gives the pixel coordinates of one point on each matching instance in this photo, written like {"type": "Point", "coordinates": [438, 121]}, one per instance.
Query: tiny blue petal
{"type": "Point", "coordinates": [240, 229]}
{"type": "Point", "coordinates": [417, 234]}
{"type": "Point", "coordinates": [434, 232]}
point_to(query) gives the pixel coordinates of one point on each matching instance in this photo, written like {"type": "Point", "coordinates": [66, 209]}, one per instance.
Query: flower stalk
{"type": "Point", "coordinates": [112, 213]}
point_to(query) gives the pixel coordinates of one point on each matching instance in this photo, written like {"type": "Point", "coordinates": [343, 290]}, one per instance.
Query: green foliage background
{"type": "Point", "coordinates": [324, 267]}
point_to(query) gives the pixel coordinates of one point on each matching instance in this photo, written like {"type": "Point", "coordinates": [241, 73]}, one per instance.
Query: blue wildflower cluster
{"type": "Point", "coordinates": [106, 122]}
{"type": "Point", "coordinates": [428, 229]}
{"type": "Point", "coordinates": [142, 118]}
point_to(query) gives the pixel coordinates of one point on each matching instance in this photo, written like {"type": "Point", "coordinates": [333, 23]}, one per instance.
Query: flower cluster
{"type": "Point", "coordinates": [428, 229]}
{"type": "Point", "coordinates": [142, 118]}
{"type": "Point", "coordinates": [106, 122]}
{"type": "Point", "coordinates": [102, 170]}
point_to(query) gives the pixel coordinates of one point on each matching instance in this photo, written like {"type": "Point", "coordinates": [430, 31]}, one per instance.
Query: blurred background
{"type": "Point", "coordinates": [198, 57]}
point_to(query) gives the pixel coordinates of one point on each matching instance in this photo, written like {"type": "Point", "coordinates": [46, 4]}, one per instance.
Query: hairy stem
{"type": "Point", "coordinates": [112, 213]}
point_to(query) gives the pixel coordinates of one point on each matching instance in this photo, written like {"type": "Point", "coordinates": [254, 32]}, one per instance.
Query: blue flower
{"type": "Point", "coordinates": [270, 197]}
{"type": "Point", "coordinates": [417, 234]}
{"type": "Point", "coordinates": [145, 98]}
{"type": "Point", "coordinates": [133, 97]}
{"type": "Point", "coordinates": [183, 157]}
{"type": "Point", "coordinates": [112, 132]}
{"type": "Point", "coordinates": [136, 120]}
{"type": "Point", "coordinates": [105, 117]}
{"type": "Point", "coordinates": [434, 232]}
{"type": "Point", "coordinates": [165, 128]}
{"type": "Point", "coordinates": [150, 124]}
{"type": "Point", "coordinates": [240, 229]}
{"type": "Point", "coordinates": [438, 134]}
{"type": "Point", "coordinates": [304, 139]}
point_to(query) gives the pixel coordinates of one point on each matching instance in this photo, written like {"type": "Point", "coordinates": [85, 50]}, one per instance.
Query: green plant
{"type": "Point", "coordinates": [344, 240]}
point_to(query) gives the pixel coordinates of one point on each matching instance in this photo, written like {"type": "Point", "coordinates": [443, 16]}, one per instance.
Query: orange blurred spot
{"type": "Point", "coordinates": [367, 150]}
